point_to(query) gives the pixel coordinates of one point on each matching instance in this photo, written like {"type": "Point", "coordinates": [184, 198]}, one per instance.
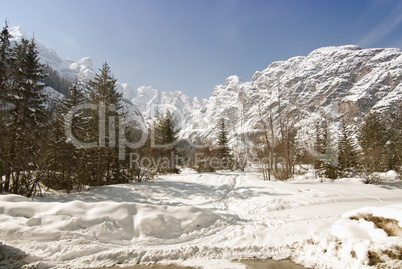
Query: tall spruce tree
{"type": "Point", "coordinates": [4, 63]}
{"type": "Point", "coordinates": [223, 151]}
{"type": "Point", "coordinates": [4, 94]}
{"type": "Point", "coordinates": [79, 126]}
{"type": "Point", "coordinates": [103, 94]}
{"type": "Point", "coordinates": [28, 116]}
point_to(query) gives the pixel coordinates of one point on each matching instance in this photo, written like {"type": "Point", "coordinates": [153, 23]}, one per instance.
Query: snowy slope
{"type": "Point", "coordinates": [202, 219]}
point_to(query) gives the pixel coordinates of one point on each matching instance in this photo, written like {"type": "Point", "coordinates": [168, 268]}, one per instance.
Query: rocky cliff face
{"type": "Point", "coordinates": [358, 79]}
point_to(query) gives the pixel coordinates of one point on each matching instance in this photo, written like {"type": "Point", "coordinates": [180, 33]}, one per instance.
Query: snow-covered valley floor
{"type": "Point", "coordinates": [204, 220]}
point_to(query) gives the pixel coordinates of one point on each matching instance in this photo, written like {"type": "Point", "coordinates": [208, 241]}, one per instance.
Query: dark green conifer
{"type": "Point", "coordinates": [373, 138]}
{"type": "Point", "coordinates": [164, 134]}
{"type": "Point", "coordinates": [4, 94]}
{"type": "Point", "coordinates": [28, 116]}
{"type": "Point", "coordinates": [223, 151]}
{"type": "Point", "coordinates": [103, 94]}
{"type": "Point", "coordinates": [347, 157]}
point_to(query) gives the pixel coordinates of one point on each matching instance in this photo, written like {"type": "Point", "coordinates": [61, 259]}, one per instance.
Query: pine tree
{"type": "Point", "coordinates": [326, 158]}
{"type": "Point", "coordinates": [165, 129]}
{"type": "Point", "coordinates": [394, 145]}
{"type": "Point", "coordinates": [373, 138]}
{"type": "Point", "coordinates": [65, 162]}
{"type": "Point", "coordinates": [164, 134]}
{"type": "Point", "coordinates": [4, 64]}
{"type": "Point", "coordinates": [4, 94]}
{"type": "Point", "coordinates": [59, 155]}
{"type": "Point", "coordinates": [79, 124]}
{"type": "Point", "coordinates": [28, 116]}
{"type": "Point", "coordinates": [223, 151]}
{"type": "Point", "coordinates": [103, 94]}
{"type": "Point", "coordinates": [347, 157]}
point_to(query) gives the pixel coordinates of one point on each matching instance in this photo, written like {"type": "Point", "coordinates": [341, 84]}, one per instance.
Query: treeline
{"type": "Point", "coordinates": [376, 147]}
{"type": "Point", "coordinates": [337, 151]}
{"type": "Point", "coordinates": [380, 141]}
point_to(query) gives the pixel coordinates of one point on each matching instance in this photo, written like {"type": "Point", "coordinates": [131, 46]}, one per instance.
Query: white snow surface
{"type": "Point", "coordinates": [204, 220]}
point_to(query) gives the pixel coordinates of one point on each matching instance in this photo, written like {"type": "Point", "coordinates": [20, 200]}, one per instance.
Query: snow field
{"type": "Point", "coordinates": [204, 220]}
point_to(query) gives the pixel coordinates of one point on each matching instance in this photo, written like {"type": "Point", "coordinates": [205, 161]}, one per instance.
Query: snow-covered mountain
{"type": "Point", "coordinates": [336, 82]}
{"type": "Point", "coordinates": [345, 81]}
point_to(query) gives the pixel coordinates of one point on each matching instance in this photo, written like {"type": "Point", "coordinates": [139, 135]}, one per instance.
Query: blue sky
{"type": "Point", "coordinates": [193, 45]}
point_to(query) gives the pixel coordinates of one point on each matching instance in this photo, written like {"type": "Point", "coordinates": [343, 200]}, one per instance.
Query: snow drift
{"type": "Point", "coordinates": [102, 221]}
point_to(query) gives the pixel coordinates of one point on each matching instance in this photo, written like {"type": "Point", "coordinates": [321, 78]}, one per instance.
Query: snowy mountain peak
{"type": "Point", "coordinates": [333, 49]}
{"type": "Point", "coordinates": [233, 82]}
{"type": "Point", "coordinates": [83, 68]}
{"type": "Point", "coordinates": [147, 91]}
{"type": "Point", "coordinates": [17, 33]}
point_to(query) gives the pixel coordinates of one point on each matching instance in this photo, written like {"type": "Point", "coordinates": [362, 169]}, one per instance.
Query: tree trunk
{"type": "Point", "coordinates": [69, 180]}
{"type": "Point", "coordinates": [99, 172]}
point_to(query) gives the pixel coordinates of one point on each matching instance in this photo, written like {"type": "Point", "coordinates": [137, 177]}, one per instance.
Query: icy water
{"type": "Point", "coordinates": [250, 264]}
